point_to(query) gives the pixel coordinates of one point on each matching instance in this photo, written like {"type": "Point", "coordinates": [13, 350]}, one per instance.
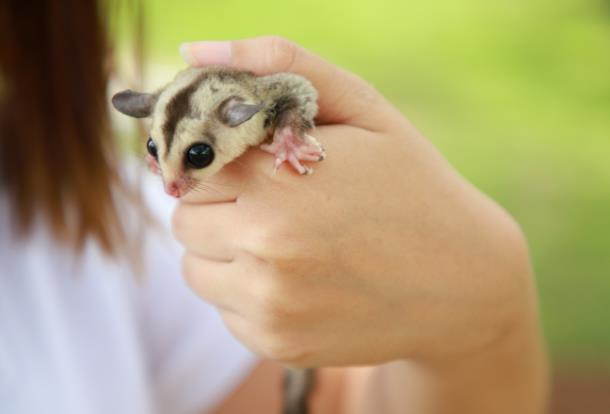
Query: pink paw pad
{"type": "Point", "coordinates": [289, 146]}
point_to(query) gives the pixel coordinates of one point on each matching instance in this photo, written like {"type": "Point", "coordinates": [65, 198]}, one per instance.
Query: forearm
{"type": "Point", "coordinates": [509, 376]}
{"type": "Point", "coordinates": [499, 364]}
{"type": "Point", "coordinates": [507, 379]}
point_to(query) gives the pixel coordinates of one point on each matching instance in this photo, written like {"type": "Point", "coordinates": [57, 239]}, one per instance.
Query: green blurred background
{"type": "Point", "coordinates": [515, 93]}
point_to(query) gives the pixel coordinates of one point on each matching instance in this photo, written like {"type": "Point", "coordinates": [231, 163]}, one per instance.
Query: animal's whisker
{"type": "Point", "coordinates": [205, 188]}
{"type": "Point", "coordinates": [217, 184]}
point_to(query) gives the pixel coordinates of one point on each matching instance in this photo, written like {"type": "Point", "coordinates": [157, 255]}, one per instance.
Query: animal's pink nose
{"type": "Point", "coordinates": [172, 189]}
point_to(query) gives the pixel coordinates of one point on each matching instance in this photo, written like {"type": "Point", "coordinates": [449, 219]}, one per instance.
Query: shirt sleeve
{"type": "Point", "coordinates": [194, 360]}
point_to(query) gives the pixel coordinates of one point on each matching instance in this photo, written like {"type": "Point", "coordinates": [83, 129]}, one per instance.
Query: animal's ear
{"type": "Point", "coordinates": [234, 111]}
{"type": "Point", "coordinates": [136, 104]}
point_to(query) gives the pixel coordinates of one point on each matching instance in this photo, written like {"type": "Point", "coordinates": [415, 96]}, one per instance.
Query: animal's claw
{"type": "Point", "coordinates": [289, 145]}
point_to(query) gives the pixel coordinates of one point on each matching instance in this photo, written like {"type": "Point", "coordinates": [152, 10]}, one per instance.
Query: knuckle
{"type": "Point", "coordinates": [272, 242]}
{"type": "Point", "coordinates": [281, 53]}
{"type": "Point", "coordinates": [365, 92]}
{"type": "Point", "coordinates": [271, 303]}
{"type": "Point", "coordinates": [276, 305]}
{"type": "Point", "coordinates": [262, 241]}
{"type": "Point", "coordinates": [278, 347]}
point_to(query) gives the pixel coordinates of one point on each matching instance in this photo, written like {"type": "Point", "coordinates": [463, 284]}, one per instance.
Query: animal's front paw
{"type": "Point", "coordinates": [294, 147]}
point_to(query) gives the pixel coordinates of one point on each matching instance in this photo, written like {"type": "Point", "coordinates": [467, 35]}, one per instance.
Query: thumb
{"type": "Point", "coordinates": [343, 97]}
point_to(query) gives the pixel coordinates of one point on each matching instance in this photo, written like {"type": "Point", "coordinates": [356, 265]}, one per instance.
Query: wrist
{"type": "Point", "coordinates": [505, 369]}
{"type": "Point", "coordinates": [508, 376]}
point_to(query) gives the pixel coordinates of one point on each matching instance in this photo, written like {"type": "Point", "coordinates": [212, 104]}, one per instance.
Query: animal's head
{"type": "Point", "coordinates": [197, 128]}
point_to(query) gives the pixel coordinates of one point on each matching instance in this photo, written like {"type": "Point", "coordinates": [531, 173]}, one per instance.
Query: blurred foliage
{"type": "Point", "coordinates": [515, 93]}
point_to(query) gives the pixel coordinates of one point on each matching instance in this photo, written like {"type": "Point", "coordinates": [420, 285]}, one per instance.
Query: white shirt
{"type": "Point", "coordinates": [83, 335]}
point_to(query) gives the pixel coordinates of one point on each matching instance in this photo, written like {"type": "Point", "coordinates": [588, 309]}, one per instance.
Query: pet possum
{"type": "Point", "coordinates": [206, 118]}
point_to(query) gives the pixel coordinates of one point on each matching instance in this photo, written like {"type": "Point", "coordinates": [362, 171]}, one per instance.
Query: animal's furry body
{"type": "Point", "coordinates": [230, 111]}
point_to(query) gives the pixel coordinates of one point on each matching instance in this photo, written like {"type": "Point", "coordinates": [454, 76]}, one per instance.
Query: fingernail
{"type": "Point", "coordinates": [206, 53]}
{"type": "Point", "coordinates": [185, 52]}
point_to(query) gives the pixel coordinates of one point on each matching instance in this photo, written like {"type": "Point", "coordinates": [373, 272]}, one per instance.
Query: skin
{"type": "Point", "coordinates": [385, 257]}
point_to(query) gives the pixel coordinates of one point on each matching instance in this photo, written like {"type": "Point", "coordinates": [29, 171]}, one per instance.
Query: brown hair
{"type": "Point", "coordinates": [57, 156]}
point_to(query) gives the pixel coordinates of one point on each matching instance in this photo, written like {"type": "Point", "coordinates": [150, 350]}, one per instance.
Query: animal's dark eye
{"type": "Point", "coordinates": [199, 155]}
{"type": "Point", "coordinates": [151, 147]}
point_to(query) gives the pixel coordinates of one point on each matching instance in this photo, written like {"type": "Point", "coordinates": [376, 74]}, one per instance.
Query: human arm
{"type": "Point", "coordinates": [384, 254]}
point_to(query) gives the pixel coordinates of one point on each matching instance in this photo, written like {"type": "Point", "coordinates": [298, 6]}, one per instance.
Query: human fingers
{"type": "Point", "coordinates": [208, 230]}
{"type": "Point", "coordinates": [226, 285]}
{"type": "Point", "coordinates": [246, 286]}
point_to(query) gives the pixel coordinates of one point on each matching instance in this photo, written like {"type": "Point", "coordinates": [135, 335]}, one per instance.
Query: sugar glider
{"type": "Point", "coordinates": [207, 117]}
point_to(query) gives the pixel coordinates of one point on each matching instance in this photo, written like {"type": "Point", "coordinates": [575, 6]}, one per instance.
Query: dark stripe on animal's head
{"type": "Point", "coordinates": [177, 108]}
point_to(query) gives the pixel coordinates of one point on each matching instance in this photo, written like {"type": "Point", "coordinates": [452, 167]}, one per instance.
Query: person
{"type": "Point", "coordinates": [407, 288]}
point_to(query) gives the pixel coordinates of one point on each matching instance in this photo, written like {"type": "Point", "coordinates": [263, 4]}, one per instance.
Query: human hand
{"type": "Point", "coordinates": [383, 253]}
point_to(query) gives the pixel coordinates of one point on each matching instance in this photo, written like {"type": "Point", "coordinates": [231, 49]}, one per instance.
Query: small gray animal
{"type": "Point", "coordinates": [207, 117]}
